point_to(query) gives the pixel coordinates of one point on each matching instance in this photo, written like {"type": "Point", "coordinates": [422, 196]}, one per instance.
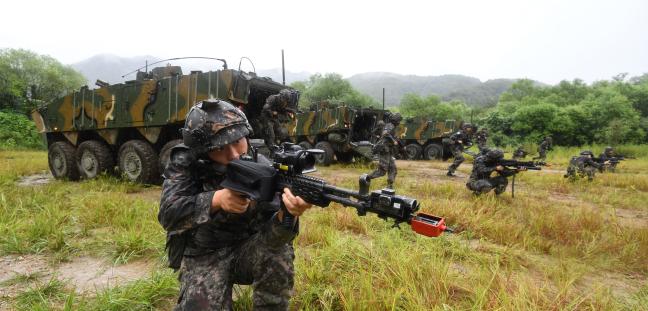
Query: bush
{"type": "Point", "coordinates": [18, 132]}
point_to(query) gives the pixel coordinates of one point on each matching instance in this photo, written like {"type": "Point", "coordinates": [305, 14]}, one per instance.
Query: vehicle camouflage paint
{"type": "Point", "coordinates": [344, 133]}
{"type": "Point", "coordinates": [133, 125]}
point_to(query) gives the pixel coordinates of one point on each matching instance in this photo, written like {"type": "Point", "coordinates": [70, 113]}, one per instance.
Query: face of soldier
{"type": "Point", "coordinates": [229, 152]}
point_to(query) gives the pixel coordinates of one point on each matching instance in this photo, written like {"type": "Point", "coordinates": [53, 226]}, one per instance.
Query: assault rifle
{"type": "Point", "coordinates": [520, 165]}
{"type": "Point", "coordinates": [260, 182]}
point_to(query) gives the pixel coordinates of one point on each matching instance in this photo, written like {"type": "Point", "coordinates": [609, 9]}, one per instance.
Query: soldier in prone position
{"type": "Point", "coordinates": [582, 165]}
{"type": "Point", "coordinates": [457, 142]}
{"type": "Point", "coordinates": [217, 237]}
{"type": "Point", "coordinates": [279, 108]}
{"type": "Point", "coordinates": [386, 148]}
{"type": "Point", "coordinates": [480, 180]}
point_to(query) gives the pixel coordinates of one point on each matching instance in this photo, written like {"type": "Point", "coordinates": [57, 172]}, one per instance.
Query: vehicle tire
{"type": "Point", "coordinates": [165, 153]}
{"type": "Point", "coordinates": [93, 157]}
{"type": "Point", "coordinates": [413, 151]}
{"type": "Point", "coordinates": [62, 161]}
{"type": "Point", "coordinates": [306, 145]}
{"type": "Point", "coordinates": [326, 158]}
{"type": "Point", "coordinates": [344, 157]}
{"type": "Point", "coordinates": [138, 162]}
{"type": "Point", "coordinates": [433, 151]}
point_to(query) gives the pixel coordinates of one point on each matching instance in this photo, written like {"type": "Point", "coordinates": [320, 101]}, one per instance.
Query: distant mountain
{"type": "Point", "coordinates": [275, 74]}
{"type": "Point", "coordinates": [110, 68]}
{"type": "Point", "coordinates": [468, 89]}
{"type": "Point", "coordinates": [472, 91]}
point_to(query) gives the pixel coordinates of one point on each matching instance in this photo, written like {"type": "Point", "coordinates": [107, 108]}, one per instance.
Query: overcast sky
{"type": "Point", "coordinates": [543, 40]}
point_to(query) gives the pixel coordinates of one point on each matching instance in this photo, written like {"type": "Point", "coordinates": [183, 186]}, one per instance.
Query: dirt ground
{"type": "Point", "coordinates": [87, 274]}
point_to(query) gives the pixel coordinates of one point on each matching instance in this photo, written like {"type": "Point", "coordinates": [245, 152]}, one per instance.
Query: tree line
{"type": "Point", "coordinates": [572, 112]}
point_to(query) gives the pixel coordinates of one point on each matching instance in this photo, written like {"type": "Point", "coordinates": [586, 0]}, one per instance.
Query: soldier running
{"type": "Point", "coordinates": [386, 148]}
{"type": "Point", "coordinates": [457, 142]}
{"type": "Point", "coordinates": [217, 237]}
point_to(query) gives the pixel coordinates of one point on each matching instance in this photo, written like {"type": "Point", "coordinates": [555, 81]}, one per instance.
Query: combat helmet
{"type": "Point", "coordinates": [587, 153]}
{"type": "Point", "coordinates": [608, 150]}
{"type": "Point", "coordinates": [495, 154]}
{"type": "Point", "coordinates": [395, 118]}
{"type": "Point", "coordinates": [467, 126]}
{"type": "Point", "coordinates": [212, 124]}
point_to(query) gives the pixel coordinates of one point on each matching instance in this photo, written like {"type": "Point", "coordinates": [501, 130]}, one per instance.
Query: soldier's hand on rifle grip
{"type": "Point", "coordinates": [499, 168]}
{"type": "Point", "coordinates": [295, 205]}
{"type": "Point", "coordinates": [522, 168]}
{"type": "Point", "coordinates": [230, 201]}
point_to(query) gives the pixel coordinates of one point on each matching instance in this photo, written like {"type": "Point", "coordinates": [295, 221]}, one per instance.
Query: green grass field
{"type": "Point", "coordinates": [556, 246]}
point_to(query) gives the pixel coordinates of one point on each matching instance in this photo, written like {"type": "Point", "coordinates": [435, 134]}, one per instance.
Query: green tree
{"type": "Point", "coordinates": [413, 105]}
{"type": "Point", "coordinates": [35, 78]}
{"type": "Point", "coordinates": [331, 87]}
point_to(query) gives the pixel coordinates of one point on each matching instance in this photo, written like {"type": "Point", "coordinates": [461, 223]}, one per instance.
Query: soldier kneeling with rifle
{"type": "Point", "coordinates": [493, 161]}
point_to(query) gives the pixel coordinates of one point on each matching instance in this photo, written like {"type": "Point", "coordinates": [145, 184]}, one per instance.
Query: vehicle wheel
{"type": "Point", "coordinates": [327, 157]}
{"type": "Point", "coordinates": [93, 158]}
{"type": "Point", "coordinates": [344, 157]}
{"type": "Point", "coordinates": [433, 151]}
{"type": "Point", "coordinates": [306, 145]}
{"type": "Point", "coordinates": [62, 161]}
{"type": "Point", "coordinates": [413, 151]}
{"type": "Point", "coordinates": [165, 153]}
{"type": "Point", "coordinates": [138, 162]}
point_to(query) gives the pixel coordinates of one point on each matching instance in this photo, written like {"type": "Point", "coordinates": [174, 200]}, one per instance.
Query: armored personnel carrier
{"type": "Point", "coordinates": [345, 133]}
{"type": "Point", "coordinates": [130, 127]}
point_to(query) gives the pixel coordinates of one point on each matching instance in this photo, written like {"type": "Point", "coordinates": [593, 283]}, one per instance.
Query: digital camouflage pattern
{"type": "Point", "coordinates": [480, 180]}
{"type": "Point", "coordinates": [456, 145]}
{"type": "Point", "coordinates": [222, 248]}
{"type": "Point", "coordinates": [482, 138]}
{"type": "Point", "coordinates": [386, 148]}
{"type": "Point", "coordinates": [545, 145]}
{"type": "Point", "coordinates": [582, 166]}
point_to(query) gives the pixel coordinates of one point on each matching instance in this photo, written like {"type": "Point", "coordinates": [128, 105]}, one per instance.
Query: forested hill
{"type": "Point", "coordinates": [467, 89]}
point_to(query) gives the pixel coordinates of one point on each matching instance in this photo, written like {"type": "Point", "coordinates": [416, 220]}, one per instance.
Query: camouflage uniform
{"type": "Point", "coordinates": [480, 180]}
{"type": "Point", "coordinates": [482, 137]}
{"type": "Point", "coordinates": [386, 149]}
{"type": "Point", "coordinates": [278, 109]}
{"type": "Point", "coordinates": [607, 155]}
{"type": "Point", "coordinates": [519, 153]}
{"type": "Point", "coordinates": [582, 165]}
{"type": "Point", "coordinates": [377, 131]}
{"type": "Point", "coordinates": [457, 142]}
{"type": "Point", "coordinates": [545, 146]}
{"type": "Point", "coordinates": [219, 249]}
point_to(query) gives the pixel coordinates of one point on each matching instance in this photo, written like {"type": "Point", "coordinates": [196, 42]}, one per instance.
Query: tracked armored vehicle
{"type": "Point", "coordinates": [130, 127]}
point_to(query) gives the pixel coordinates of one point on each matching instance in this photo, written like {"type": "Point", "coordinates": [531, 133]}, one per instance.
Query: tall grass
{"type": "Point", "coordinates": [555, 246]}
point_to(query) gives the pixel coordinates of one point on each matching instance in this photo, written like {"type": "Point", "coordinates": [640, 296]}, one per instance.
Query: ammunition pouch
{"type": "Point", "coordinates": [175, 247]}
